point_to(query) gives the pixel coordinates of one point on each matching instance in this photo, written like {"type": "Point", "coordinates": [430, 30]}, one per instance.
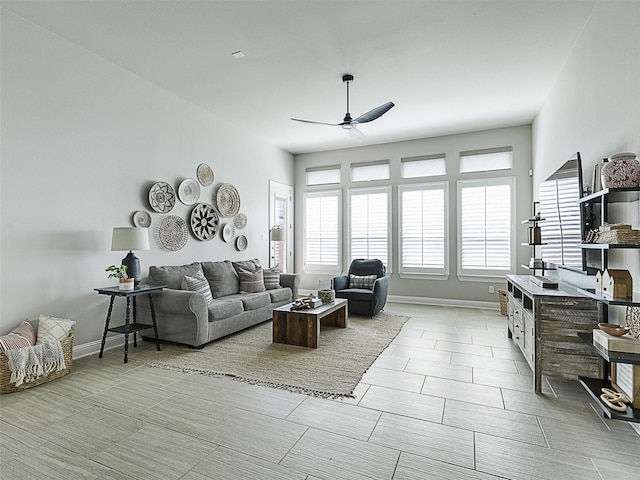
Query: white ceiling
{"type": "Point", "coordinates": [449, 66]}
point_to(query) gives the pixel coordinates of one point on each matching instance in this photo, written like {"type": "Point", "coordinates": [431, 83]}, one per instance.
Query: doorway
{"type": "Point", "coordinates": [281, 226]}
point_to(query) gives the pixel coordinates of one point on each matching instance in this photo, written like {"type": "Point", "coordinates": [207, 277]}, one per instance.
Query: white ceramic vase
{"type": "Point", "coordinates": [622, 170]}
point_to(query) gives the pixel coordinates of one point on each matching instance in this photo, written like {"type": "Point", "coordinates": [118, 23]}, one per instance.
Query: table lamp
{"type": "Point", "coordinates": [130, 238]}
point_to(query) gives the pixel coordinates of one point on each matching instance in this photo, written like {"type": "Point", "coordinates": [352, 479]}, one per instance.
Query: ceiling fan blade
{"type": "Point", "coordinates": [316, 123]}
{"type": "Point", "coordinates": [375, 113]}
{"type": "Point", "coordinates": [355, 133]}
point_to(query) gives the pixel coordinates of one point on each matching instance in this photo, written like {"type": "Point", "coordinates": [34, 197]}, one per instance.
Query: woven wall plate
{"type": "Point", "coordinates": [171, 233]}
{"type": "Point", "coordinates": [240, 221]}
{"type": "Point", "coordinates": [227, 200]}
{"type": "Point", "coordinates": [141, 219]}
{"type": "Point", "coordinates": [189, 191]}
{"type": "Point", "coordinates": [241, 243]}
{"type": "Point", "coordinates": [204, 174]}
{"type": "Point", "coordinates": [228, 232]}
{"type": "Point", "coordinates": [205, 222]}
{"type": "Point", "coordinates": [162, 197]}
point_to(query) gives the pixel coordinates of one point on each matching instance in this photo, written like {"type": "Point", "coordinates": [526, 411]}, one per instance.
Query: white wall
{"type": "Point", "coordinates": [451, 145]}
{"type": "Point", "coordinates": [82, 141]}
{"type": "Point", "coordinates": [594, 107]}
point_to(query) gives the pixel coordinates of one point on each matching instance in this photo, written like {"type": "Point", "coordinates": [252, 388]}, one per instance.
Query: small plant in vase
{"type": "Point", "coordinates": [120, 272]}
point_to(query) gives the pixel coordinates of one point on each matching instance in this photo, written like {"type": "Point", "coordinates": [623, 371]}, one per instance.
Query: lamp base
{"type": "Point", "coordinates": [133, 267]}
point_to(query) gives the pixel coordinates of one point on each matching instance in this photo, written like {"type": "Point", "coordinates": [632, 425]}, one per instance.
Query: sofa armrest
{"type": "Point", "coordinates": [340, 282]}
{"type": "Point", "coordinates": [291, 280]}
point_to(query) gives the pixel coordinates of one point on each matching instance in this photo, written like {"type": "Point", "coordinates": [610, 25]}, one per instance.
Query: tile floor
{"type": "Point", "coordinates": [450, 398]}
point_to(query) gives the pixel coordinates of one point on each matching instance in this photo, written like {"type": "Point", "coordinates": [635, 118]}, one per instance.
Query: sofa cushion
{"type": "Point", "coordinates": [271, 278]}
{"type": "Point", "coordinates": [222, 278]}
{"type": "Point", "coordinates": [254, 301]}
{"type": "Point", "coordinates": [172, 276]}
{"type": "Point", "coordinates": [362, 281]}
{"type": "Point", "coordinates": [280, 295]}
{"type": "Point", "coordinates": [250, 282]}
{"type": "Point", "coordinates": [198, 284]}
{"type": "Point", "coordinates": [219, 309]}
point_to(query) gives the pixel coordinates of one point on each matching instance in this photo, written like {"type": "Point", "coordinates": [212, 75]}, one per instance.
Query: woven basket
{"type": "Point", "coordinates": [503, 301]}
{"type": "Point", "coordinates": [633, 321]}
{"type": "Point", "coordinates": [5, 374]}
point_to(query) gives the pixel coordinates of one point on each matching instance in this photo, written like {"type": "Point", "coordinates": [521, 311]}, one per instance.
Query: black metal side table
{"type": "Point", "coordinates": [128, 327]}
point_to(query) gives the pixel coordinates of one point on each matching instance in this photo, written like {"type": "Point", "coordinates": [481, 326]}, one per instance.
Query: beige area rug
{"type": "Point", "coordinates": [332, 370]}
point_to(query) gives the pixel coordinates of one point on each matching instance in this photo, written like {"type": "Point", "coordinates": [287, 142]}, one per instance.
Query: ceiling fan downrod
{"type": "Point", "coordinates": [347, 78]}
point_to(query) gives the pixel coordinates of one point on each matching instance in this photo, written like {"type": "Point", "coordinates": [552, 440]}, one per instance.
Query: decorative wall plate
{"type": "Point", "coordinates": [204, 174]}
{"type": "Point", "coordinates": [227, 200]}
{"type": "Point", "coordinates": [162, 197]}
{"type": "Point", "coordinates": [188, 191]}
{"type": "Point", "coordinates": [228, 232]}
{"type": "Point", "coordinates": [141, 219]}
{"type": "Point", "coordinates": [241, 243]}
{"type": "Point", "coordinates": [205, 222]}
{"type": "Point", "coordinates": [171, 233]}
{"type": "Point", "coordinates": [240, 221]}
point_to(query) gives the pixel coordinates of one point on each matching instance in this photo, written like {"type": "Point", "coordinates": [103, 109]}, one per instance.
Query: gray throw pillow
{"type": "Point", "coordinates": [271, 278]}
{"type": "Point", "coordinates": [222, 278]}
{"type": "Point", "coordinates": [362, 281]}
{"type": "Point", "coordinates": [251, 282]}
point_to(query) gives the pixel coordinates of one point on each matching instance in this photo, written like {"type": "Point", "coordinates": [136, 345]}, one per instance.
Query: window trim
{"type": "Point", "coordinates": [317, 268]}
{"type": "Point", "coordinates": [422, 273]}
{"type": "Point", "coordinates": [487, 275]}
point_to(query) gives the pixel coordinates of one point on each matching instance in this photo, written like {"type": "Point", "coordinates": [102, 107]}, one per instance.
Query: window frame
{"type": "Point", "coordinates": [316, 268]}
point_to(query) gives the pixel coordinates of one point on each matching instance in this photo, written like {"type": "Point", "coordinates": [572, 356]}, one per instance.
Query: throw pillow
{"type": "Point", "coordinates": [271, 278]}
{"type": "Point", "coordinates": [362, 281]}
{"type": "Point", "coordinates": [52, 329]}
{"type": "Point", "coordinates": [198, 284]}
{"type": "Point", "coordinates": [24, 335]}
{"type": "Point", "coordinates": [251, 282]}
{"type": "Point", "coordinates": [222, 277]}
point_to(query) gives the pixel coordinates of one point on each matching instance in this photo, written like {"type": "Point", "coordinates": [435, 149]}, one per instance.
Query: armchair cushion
{"type": "Point", "coordinates": [362, 281]}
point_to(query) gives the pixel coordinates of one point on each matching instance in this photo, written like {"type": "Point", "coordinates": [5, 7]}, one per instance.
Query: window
{"type": "Point", "coordinates": [322, 231]}
{"type": "Point", "coordinates": [485, 227]}
{"type": "Point", "coordinates": [364, 172]}
{"type": "Point", "coordinates": [428, 166]}
{"type": "Point", "coordinates": [370, 224]}
{"type": "Point", "coordinates": [486, 160]}
{"type": "Point", "coordinates": [423, 229]}
{"type": "Point", "coordinates": [323, 175]}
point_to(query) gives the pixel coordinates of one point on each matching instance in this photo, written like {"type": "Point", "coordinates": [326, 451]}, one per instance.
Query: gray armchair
{"type": "Point", "coordinates": [364, 298]}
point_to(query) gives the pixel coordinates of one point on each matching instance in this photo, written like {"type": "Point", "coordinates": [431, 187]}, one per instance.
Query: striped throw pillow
{"type": "Point", "coordinates": [362, 281]}
{"type": "Point", "coordinates": [198, 284]}
{"type": "Point", "coordinates": [271, 278]}
{"type": "Point", "coordinates": [251, 282]}
{"type": "Point", "coordinates": [24, 335]}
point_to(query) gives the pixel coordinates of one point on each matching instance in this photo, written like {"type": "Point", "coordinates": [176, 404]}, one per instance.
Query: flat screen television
{"type": "Point", "coordinates": [563, 227]}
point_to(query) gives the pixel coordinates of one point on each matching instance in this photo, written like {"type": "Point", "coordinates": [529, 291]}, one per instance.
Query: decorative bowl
{"type": "Point", "coordinates": [612, 329]}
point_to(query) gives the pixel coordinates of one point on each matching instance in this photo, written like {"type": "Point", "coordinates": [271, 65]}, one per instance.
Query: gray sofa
{"type": "Point", "coordinates": [185, 317]}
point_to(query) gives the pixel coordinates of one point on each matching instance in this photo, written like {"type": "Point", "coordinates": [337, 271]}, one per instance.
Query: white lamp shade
{"type": "Point", "coordinates": [130, 238]}
{"type": "Point", "coordinates": [277, 234]}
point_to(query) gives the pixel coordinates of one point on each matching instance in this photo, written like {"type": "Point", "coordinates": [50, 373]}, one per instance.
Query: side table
{"type": "Point", "coordinates": [128, 327]}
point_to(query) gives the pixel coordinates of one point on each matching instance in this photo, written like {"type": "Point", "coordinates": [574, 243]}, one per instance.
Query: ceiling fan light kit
{"type": "Point", "coordinates": [349, 123]}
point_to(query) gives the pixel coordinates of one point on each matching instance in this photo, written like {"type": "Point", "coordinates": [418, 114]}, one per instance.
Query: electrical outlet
{"type": "Point", "coordinates": [492, 289]}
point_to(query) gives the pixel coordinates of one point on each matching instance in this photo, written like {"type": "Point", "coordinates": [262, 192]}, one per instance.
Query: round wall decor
{"type": "Point", "coordinates": [204, 221]}
{"type": "Point", "coordinates": [162, 197]}
{"type": "Point", "coordinates": [204, 174]}
{"type": "Point", "coordinates": [227, 200]}
{"type": "Point", "coordinates": [189, 191]}
{"type": "Point", "coordinates": [228, 232]}
{"type": "Point", "coordinates": [141, 219]}
{"type": "Point", "coordinates": [241, 243]}
{"type": "Point", "coordinates": [171, 233]}
{"type": "Point", "coordinates": [240, 221]}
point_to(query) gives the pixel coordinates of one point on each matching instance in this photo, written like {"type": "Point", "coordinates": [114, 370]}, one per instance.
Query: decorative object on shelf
{"type": "Point", "coordinates": [130, 238]}
{"type": "Point", "coordinates": [632, 318]}
{"type": "Point", "coordinates": [188, 191]}
{"type": "Point", "coordinates": [120, 272]}
{"type": "Point", "coordinates": [617, 283]}
{"type": "Point", "coordinates": [227, 200]}
{"type": "Point", "coordinates": [204, 174]}
{"type": "Point", "coordinates": [141, 219]}
{"type": "Point", "coordinates": [614, 233]}
{"type": "Point", "coordinates": [625, 379]}
{"type": "Point", "coordinates": [327, 296]}
{"type": "Point", "coordinates": [171, 233]}
{"type": "Point", "coordinates": [240, 221]}
{"type": "Point", "coordinates": [228, 232]}
{"type": "Point", "coordinates": [162, 197]}
{"type": "Point", "coordinates": [306, 303]}
{"type": "Point", "coordinates": [622, 170]}
{"type": "Point", "coordinates": [596, 181]}
{"type": "Point", "coordinates": [241, 243]}
{"type": "Point", "coordinates": [205, 222]}
{"type": "Point", "coordinates": [613, 329]}
{"type": "Point", "coordinates": [614, 400]}
{"type": "Point", "coordinates": [615, 342]}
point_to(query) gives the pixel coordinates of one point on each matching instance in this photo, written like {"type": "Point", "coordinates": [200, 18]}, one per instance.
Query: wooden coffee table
{"type": "Point", "coordinates": [302, 327]}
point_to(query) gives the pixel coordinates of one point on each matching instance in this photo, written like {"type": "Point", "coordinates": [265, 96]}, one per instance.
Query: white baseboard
{"type": "Point", "coordinates": [92, 348]}
{"type": "Point", "coordinates": [441, 302]}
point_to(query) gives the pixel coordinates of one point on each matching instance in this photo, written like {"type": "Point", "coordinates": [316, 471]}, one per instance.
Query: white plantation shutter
{"type": "Point", "coordinates": [423, 229]}
{"type": "Point", "coordinates": [322, 232]}
{"type": "Point", "coordinates": [485, 227]}
{"type": "Point", "coordinates": [369, 224]}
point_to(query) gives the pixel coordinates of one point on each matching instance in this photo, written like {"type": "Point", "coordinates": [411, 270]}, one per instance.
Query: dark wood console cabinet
{"type": "Point", "coordinates": [545, 322]}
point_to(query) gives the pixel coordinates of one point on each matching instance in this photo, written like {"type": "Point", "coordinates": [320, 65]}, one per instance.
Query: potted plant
{"type": "Point", "coordinates": [120, 272]}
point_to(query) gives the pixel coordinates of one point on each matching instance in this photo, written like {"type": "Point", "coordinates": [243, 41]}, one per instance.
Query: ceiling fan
{"type": "Point", "coordinates": [350, 124]}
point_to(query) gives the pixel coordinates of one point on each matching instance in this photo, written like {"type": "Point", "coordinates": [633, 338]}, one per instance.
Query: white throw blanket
{"type": "Point", "coordinates": [30, 363]}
